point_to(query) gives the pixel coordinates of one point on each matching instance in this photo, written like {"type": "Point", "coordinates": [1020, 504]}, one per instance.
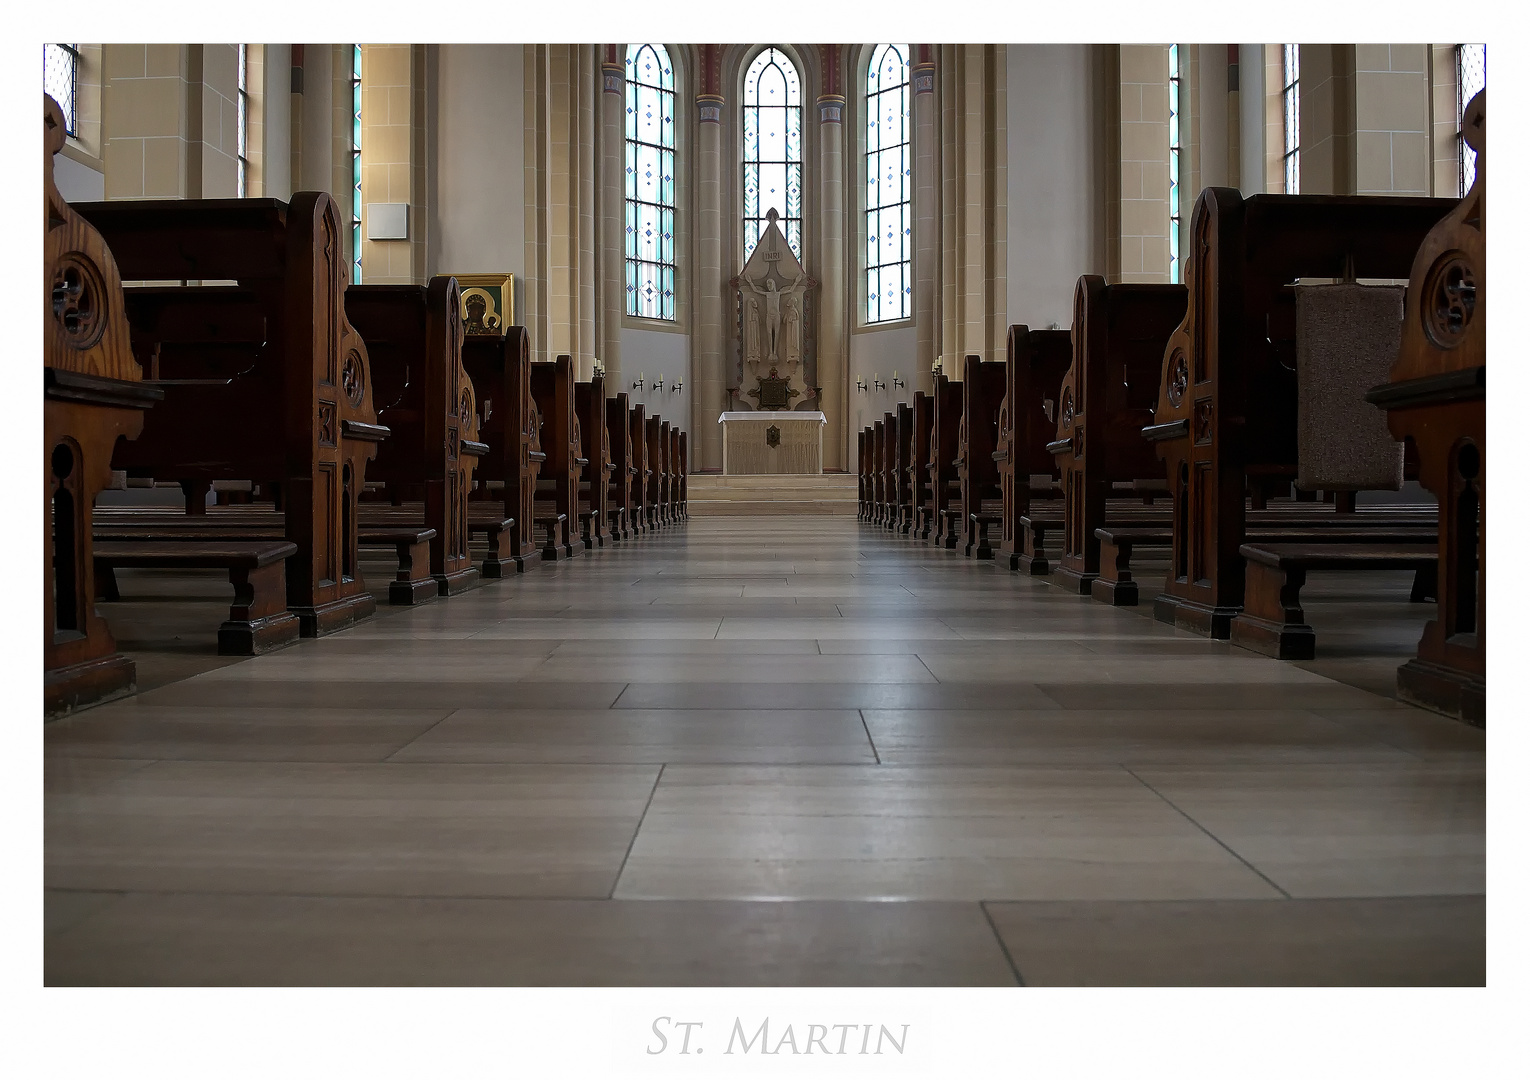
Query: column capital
{"type": "Point", "coordinates": [709, 108]}
{"type": "Point", "coordinates": [831, 108]}
{"type": "Point", "coordinates": [612, 76]}
{"type": "Point", "coordinates": [924, 77]}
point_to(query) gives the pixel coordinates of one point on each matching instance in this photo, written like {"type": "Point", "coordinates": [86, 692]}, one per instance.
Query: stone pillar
{"type": "Point", "coordinates": [831, 271]}
{"type": "Point", "coordinates": [708, 364]}
{"type": "Point", "coordinates": [926, 219]}
{"type": "Point", "coordinates": [612, 267]}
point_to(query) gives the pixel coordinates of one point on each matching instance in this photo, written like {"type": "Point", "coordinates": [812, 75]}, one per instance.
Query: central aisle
{"type": "Point", "coordinates": [763, 750]}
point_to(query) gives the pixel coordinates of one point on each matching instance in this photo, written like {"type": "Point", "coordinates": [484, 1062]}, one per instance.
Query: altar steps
{"type": "Point", "coordinates": [713, 495]}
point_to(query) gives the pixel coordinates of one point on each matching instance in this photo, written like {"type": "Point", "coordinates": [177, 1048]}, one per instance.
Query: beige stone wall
{"type": "Point", "coordinates": [1274, 121]}
{"type": "Point", "coordinates": [1392, 120]}
{"type": "Point", "coordinates": [1445, 164]}
{"type": "Point", "coordinates": [147, 138]}
{"type": "Point", "coordinates": [1144, 164]}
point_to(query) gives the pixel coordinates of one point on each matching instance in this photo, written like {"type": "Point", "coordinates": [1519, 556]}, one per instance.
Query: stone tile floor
{"type": "Point", "coordinates": [764, 751]}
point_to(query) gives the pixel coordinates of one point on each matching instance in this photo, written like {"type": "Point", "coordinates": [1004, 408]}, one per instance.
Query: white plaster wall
{"type": "Point", "coordinates": [653, 353]}
{"type": "Point", "coordinates": [476, 219]}
{"type": "Point", "coordinates": [1054, 224]}
{"type": "Point", "coordinates": [879, 353]}
{"type": "Point", "coordinates": [77, 182]}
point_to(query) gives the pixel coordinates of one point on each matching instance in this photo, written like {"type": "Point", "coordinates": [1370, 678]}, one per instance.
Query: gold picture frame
{"type": "Point", "coordinates": [488, 303]}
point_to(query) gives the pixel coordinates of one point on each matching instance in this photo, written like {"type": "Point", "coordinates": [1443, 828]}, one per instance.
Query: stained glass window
{"type": "Point", "coordinates": [356, 164]}
{"type": "Point", "coordinates": [1174, 117]}
{"type": "Point", "coordinates": [61, 76]}
{"type": "Point", "coordinates": [244, 121]}
{"type": "Point", "coordinates": [1291, 112]}
{"type": "Point", "coordinates": [889, 182]}
{"type": "Point", "coordinates": [650, 183]}
{"type": "Point", "coordinates": [772, 148]}
{"type": "Point", "coordinates": [1471, 77]}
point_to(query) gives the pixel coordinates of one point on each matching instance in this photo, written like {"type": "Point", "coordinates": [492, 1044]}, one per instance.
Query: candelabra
{"type": "Point", "coordinates": [876, 381]}
{"type": "Point", "coordinates": [639, 384]}
{"type": "Point", "coordinates": [676, 386]}
{"type": "Point", "coordinates": [860, 384]}
{"type": "Point", "coordinates": [899, 383]}
{"type": "Point", "coordinates": [658, 382]}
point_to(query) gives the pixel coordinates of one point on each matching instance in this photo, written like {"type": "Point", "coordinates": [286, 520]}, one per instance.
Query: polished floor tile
{"type": "Point", "coordinates": [1396, 941]}
{"type": "Point", "coordinates": [203, 940]}
{"type": "Point", "coordinates": [921, 834]}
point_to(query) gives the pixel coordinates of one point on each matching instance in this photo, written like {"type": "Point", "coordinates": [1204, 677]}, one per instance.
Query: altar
{"type": "Point", "coordinates": [762, 443]}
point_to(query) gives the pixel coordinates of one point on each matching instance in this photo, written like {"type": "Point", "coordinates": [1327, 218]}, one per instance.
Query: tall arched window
{"type": "Point", "coordinates": [1291, 116]}
{"type": "Point", "coordinates": [889, 181]}
{"type": "Point", "coordinates": [650, 183]}
{"type": "Point", "coordinates": [355, 164]}
{"type": "Point", "coordinates": [772, 148]}
{"type": "Point", "coordinates": [1174, 163]}
{"type": "Point", "coordinates": [1471, 77]}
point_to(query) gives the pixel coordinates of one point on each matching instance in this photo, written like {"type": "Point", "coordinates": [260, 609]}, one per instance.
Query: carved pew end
{"type": "Point", "coordinates": [412, 584]}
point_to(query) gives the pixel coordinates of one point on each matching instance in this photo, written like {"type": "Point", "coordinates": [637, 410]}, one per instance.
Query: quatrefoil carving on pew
{"type": "Point", "coordinates": [1179, 378]}
{"type": "Point", "coordinates": [1450, 299]}
{"type": "Point", "coordinates": [465, 407]}
{"type": "Point", "coordinates": [353, 380]}
{"type": "Point", "coordinates": [75, 296]}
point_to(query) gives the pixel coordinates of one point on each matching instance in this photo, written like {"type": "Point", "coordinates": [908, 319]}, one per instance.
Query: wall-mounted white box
{"type": "Point", "coordinates": [388, 221]}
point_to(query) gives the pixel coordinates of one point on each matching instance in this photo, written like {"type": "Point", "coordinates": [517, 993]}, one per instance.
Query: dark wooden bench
{"type": "Point", "coordinates": [1034, 364]}
{"type": "Point", "coordinates": [1105, 399]}
{"type": "Point", "coordinates": [500, 366]}
{"type": "Point", "coordinates": [919, 460]}
{"type": "Point", "coordinates": [1225, 423]}
{"type": "Point", "coordinates": [1115, 585]}
{"type": "Point", "coordinates": [595, 447]}
{"type": "Point", "coordinates": [1436, 399]}
{"type": "Point", "coordinates": [944, 484]}
{"type": "Point", "coordinates": [1272, 620]}
{"type": "Point", "coordinates": [982, 394]}
{"type": "Point", "coordinates": [641, 471]}
{"type": "Point", "coordinates": [93, 396]}
{"type": "Point", "coordinates": [265, 381]}
{"type": "Point", "coordinates": [258, 620]}
{"type": "Point", "coordinates": [619, 481]}
{"type": "Point", "coordinates": [557, 490]}
{"type": "Point", "coordinates": [414, 341]}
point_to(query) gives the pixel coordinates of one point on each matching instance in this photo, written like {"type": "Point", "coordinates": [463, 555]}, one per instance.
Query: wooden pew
{"type": "Point", "coordinates": [918, 473]}
{"type": "Point", "coordinates": [667, 479]}
{"type": "Point", "coordinates": [1436, 398]}
{"type": "Point", "coordinates": [900, 455]}
{"type": "Point", "coordinates": [264, 381]}
{"type": "Point", "coordinates": [93, 395]}
{"type": "Point", "coordinates": [1035, 362]}
{"type": "Point", "coordinates": [677, 472]}
{"type": "Point", "coordinates": [557, 503]}
{"type": "Point", "coordinates": [878, 470]}
{"type": "Point", "coordinates": [642, 510]}
{"type": "Point", "coordinates": [1105, 400]}
{"type": "Point", "coordinates": [945, 485]}
{"type": "Point", "coordinates": [863, 474]}
{"type": "Point", "coordinates": [623, 468]}
{"type": "Point", "coordinates": [982, 394]}
{"type": "Point", "coordinates": [1227, 392]}
{"type": "Point", "coordinates": [594, 509]}
{"type": "Point", "coordinates": [500, 367]}
{"type": "Point", "coordinates": [683, 473]}
{"type": "Point", "coordinates": [888, 516]}
{"type": "Point", "coordinates": [655, 447]}
{"type": "Point", "coordinates": [414, 339]}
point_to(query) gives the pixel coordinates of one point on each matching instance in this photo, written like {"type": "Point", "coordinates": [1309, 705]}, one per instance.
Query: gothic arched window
{"type": "Point", "coordinates": [650, 182]}
{"type": "Point", "coordinates": [1291, 116]}
{"type": "Point", "coordinates": [1174, 163]}
{"type": "Point", "coordinates": [889, 184]}
{"type": "Point", "coordinates": [772, 148]}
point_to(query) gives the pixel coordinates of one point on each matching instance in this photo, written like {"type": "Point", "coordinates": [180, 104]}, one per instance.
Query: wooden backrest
{"type": "Point", "coordinates": [1034, 363]}
{"type": "Point", "coordinates": [637, 424]}
{"type": "Point", "coordinates": [552, 385]}
{"type": "Point", "coordinates": [500, 367]}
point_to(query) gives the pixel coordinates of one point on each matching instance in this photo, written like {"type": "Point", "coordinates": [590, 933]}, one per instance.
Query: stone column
{"type": "Point", "coordinates": [709, 397]}
{"type": "Point", "coordinates": [612, 303]}
{"type": "Point", "coordinates": [926, 219]}
{"type": "Point", "coordinates": [831, 272]}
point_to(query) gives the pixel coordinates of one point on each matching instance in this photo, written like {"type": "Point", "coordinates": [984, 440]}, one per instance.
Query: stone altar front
{"type": "Point", "coordinates": [763, 443]}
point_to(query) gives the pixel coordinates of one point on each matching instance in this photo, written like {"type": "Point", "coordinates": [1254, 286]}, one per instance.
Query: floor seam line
{"type": "Point", "coordinates": [1217, 839]}
{"type": "Point", "coordinates": [388, 758]}
{"type": "Point", "coordinates": [874, 751]}
{"type": "Point", "coordinates": [622, 869]}
{"type": "Point", "coordinates": [1003, 947]}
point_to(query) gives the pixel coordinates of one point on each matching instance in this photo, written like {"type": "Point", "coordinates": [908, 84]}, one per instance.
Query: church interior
{"type": "Point", "coordinates": [621, 515]}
